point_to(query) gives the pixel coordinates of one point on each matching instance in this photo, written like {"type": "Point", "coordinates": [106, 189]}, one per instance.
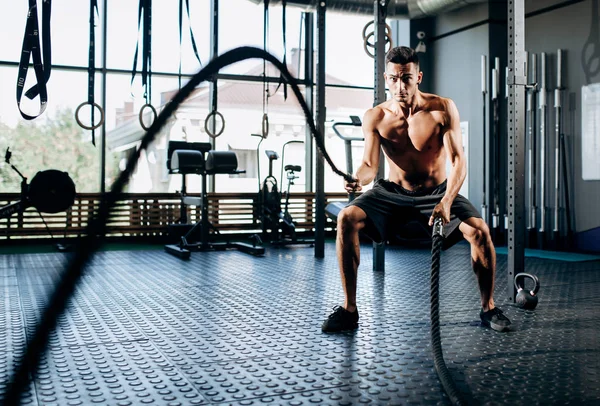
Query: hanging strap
{"type": "Point", "coordinates": [194, 47]}
{"type": "Point", "coordinates": [265, 34]}
{"type": "Point", "coordinates": [91, 80]}
{"type": "Point", "coordinates": [283, 24]}
{"type": "Point", "coordinates": [92, 64]}
{"type": "Point", "coordinates": [31, 49]}
{"type": "Point", "coordinates": [145, 26]}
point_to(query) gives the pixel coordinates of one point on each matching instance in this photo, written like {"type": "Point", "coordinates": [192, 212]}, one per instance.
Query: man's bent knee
{"type": "Point", "coordinates": [476, 231]}
{"type": "Point", "coordinates": [351, 218]}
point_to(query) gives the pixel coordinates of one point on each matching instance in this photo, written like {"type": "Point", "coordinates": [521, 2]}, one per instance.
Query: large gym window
{"type": "Point", "coordinates": [246, 159]}
{"type": "Point", "coordinates": [345, 58]}
{"type": "Point", "coordinates": [67, 88]}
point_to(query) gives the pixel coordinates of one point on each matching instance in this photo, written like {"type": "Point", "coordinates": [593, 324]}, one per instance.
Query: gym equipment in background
{"type": "Point", "coordinates": [527, 299]}
{"type": "Point", "coordinates": [495, 146]}
{"type": "Point", "coordinates": [50, 191]}
{"type": "Point", "coordinates": [181, 226]}
{"type": "Point", "coordinates": [278, 226]}
{"type": "Point", "coordinates": [333, 209]}
{"type": "Point", "coordinates": [484, 206]}
{"type": "Point", "coordinates": [41, 56]}
{"type": "Point", "coordinates": [145, 28]}
{"type": "Point", "coordinates": [91, 79]}
{"type": "Point", "coordinates": [197, 158]}
{"type": "Point", "coordinates": [531, 107]}
{"type": "Point", "coordinates": [543, 120]}
{"type": "Point", "coordinates": [558, 153]}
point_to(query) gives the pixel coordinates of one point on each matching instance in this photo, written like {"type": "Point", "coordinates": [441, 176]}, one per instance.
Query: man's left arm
{"type": "Point", "coordinates": [453, 147]}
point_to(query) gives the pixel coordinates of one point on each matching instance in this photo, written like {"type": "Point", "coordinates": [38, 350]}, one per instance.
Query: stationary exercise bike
{"type": "Point", "coordinates": [278, 226]}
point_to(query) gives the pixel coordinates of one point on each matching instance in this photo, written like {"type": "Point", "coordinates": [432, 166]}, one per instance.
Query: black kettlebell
{"type": "Point", "coordinates": [527, 299]}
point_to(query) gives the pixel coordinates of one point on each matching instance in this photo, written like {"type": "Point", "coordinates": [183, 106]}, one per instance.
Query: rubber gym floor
{"type": "Point", "coordinates": [224, 327]}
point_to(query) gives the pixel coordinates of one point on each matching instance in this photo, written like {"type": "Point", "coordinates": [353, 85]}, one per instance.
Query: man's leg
{"type": "Point", "coordinates": [483, 260]}
{"type": "Point", "coordinates": [350, 221]}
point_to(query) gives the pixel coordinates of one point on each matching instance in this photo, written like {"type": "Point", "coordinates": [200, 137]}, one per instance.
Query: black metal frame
{"type": "Point", "coordinates": [516, 142]}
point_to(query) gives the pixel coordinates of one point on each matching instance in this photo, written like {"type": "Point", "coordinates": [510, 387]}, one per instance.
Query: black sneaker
{"type": "Point", "coordinates": [340, 320]}
{"type": "Point", "coordinates": [495, 319]}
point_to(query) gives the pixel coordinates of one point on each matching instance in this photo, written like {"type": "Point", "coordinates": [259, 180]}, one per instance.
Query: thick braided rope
{"type": "Point", "coordinates": [96, 228]}
{"type": "Point", "coordinates": [436, 342]}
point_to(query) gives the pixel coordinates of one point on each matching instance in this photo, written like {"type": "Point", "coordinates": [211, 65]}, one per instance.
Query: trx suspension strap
{"type": "Point", "coordinates": [265, 99]}
{"type": "Point", "coordinates": [91, 78]}
{"type": "Point", "coordinates": [145, 26]}
{"type": "Point", "coordinates": [283, 25]}
{"type": "Point", "coordinates": [187, 7]}
{"type": "Point", "coordinates": [31, 49]}
{"type": "Point", "coordinates": [265, 47]}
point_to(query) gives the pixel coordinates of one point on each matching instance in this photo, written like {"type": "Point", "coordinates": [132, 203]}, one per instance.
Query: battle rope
{"type": "Point", "coordinates": [97, 228]}
{"type": "Point", "coordinates": [438, 358]}
{"type": "Point", "coordinates": [97, 225]}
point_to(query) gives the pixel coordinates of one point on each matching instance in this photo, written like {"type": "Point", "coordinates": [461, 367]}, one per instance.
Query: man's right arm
{"type": "Point", "coordinates": [367, 170]}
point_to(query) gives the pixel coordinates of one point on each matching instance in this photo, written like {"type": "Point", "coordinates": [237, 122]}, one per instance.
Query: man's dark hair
{"type": "Point", "coordinates": [402, 56]}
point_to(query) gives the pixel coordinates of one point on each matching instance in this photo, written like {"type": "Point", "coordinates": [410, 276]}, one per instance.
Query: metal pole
{"type": "Point", "coordinates": [103, 127]}
{"type": "Point", "coordinates": [543, 118]}
{"type": "Point", "coordinates": [529, 154]}
{"type": "Point", "coordinates": [380, 10]}
{"type": "Point", "coordinates": [484, 212]}
{"type": "Point", "coordinates": [506, 191]}
{"type": "Point", "coordinates": [309, 77]}
{"type": "Point", "coordinates": [496, 148]}
{"type": "Point", "coordinates": [533, 154]}
{"type": "Point", "coordinates": [320, 122]}
{"type": "Point", "coordinates": [557, 151]}
{"type": "Point", "coordinates": [214, 52]}
{"type": "Point", "coordinates": [516, 142]}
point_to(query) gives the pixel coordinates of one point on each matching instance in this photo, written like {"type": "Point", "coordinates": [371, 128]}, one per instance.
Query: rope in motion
{"type": "Point", "coordinates": [97, 228]}
{"type": "Point", "coordinates": [436, 344]}
{"type": "Point", "coordinates": [97, 225]}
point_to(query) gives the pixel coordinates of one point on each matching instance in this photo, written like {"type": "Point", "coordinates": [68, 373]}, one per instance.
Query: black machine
{"type": "Point", "coordinates": [278, 226]}
{"type": "Point", "coordinates": [50, 191]}
{"type": "Point", "coordinates": [198, 158]}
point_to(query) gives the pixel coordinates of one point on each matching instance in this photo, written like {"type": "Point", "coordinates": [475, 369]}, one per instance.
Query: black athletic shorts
{"type": "Point", "coordinates": [389, 207]}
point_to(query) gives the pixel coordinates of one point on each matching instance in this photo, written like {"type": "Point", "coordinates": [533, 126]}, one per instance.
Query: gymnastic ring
{"type": "Point", "coordinates": [141, 115]}
{"type": "Point", "coordinates": [206, 128]}
{"type": "Point", "coordinates": [388, 30]}
{"type": "Point", "coordinates": [88, 127]}
{"type": "Point", "coordinates": [367, 44]}
{"type": "Point", "coordinates": [265, 126]}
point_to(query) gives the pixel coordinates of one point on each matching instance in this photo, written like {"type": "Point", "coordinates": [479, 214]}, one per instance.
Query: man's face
{"type": "Point", "coordinates": [402, 80]}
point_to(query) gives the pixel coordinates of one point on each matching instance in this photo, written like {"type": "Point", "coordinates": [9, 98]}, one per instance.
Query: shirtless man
{"type": "Point", "coordinates": [418, 132]}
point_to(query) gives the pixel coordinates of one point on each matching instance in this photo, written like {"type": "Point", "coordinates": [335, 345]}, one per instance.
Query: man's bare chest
{"type": "Point", "coordinates": [417, 134]}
